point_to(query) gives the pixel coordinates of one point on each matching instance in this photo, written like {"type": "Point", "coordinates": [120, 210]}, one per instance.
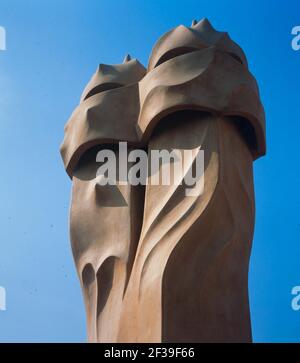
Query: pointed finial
{"type": "Point", "coordinates": [205, 25]}
{"type": "Point", "coordinates": [127, 58]}
{"type": "Point", "coordinates": [194, 22]}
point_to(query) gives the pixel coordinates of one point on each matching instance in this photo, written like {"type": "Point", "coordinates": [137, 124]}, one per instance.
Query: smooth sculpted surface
{"type": "Point", "coordinates": [157, 262]}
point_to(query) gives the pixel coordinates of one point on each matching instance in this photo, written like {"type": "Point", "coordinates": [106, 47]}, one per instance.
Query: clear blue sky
{"type": "Point", "coordinates": [53, 47]}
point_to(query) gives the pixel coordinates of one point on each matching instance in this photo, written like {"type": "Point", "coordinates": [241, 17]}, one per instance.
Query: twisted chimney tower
{"type": "Point", "coordinates": [155, 264]}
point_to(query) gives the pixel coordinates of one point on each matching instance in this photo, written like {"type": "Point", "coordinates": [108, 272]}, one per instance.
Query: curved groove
{"type": "Point", "coordinates": [175, 188]}
{"type": "Point", "coordinates": [105, 276]}
{"type": "Point", "coordinates": [225, 241]}
{"type": "Point", "coordinates": [185, 215]}
{"type": "Point", "coordinates": [234, 56]}
{"type": "Point", "coordinates": [101, 88]}
{"type": "Point", "coordinates": [175, 52]}
{"type": "Point", "coordinates": [88, 278]}
{"type": "Point", "coordinates": [182, 217]}
{"type": "Point", "coordinates": [159, 244]}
